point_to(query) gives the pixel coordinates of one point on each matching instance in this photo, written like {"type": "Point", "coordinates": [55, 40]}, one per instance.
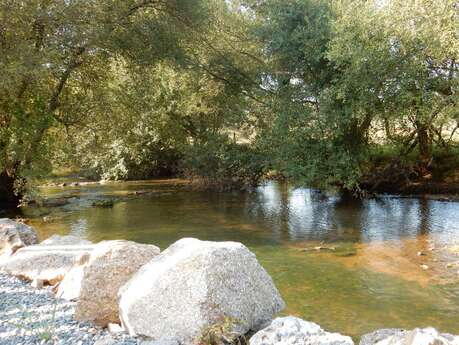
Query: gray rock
{"type": "Point", "coordinates": [107, 340]}
{"type": "Point", "coordinates": [114, 328]}
{"type": "Point", "coordinates": [291, 330]}
{"type": "Point", "coordinates": [111, 265]}
{"type": "Point", "coordinates": [417, 336]}
{"type": "Point", "coordinates": [37, 283]}
{"type": "Point", "coordinates": [48, 261]}
{"type": "Point", "coordinates": [13, 236]}
{"type": "Point", "coordinates": [380, 334]}
{"type": "Point", "coordinates": [70, 287]}
{"type": "Point", "coordinates": [162, 341]}
{"type": "Point", "coordinates": [195, 284]}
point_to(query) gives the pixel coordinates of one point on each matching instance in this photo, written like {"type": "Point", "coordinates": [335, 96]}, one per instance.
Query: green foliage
{"type": "Point", "coordinates": [226, 90]}
{"type": "Point", "coordinates": [221, 164]}
{"type": "Point", "coordinates": [351, 75]}
{"type": "Point", "coordinates": [56, 59]}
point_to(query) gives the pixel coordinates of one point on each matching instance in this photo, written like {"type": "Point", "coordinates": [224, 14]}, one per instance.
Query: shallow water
{"type": "Point", "coordinates": [367, 274]}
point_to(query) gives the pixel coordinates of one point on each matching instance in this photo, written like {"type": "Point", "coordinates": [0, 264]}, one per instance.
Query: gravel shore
{"type": "Point", "coordinates": [34, 316]}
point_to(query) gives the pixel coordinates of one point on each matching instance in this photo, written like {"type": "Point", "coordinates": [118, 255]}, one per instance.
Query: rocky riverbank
{"type": "Point", "coordinates": [34, 316]}
{"type": "Point", "coordinates": [121, 292]}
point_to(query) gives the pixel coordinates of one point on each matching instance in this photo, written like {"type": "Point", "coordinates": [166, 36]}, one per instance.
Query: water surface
{"type": "Point", "coordinates": [367, 275]}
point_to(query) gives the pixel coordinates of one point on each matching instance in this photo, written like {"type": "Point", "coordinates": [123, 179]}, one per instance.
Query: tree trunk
{"type": "Point", "coordinates": [8, 197]}
{"type": "Point", "coordinates": [425, 149]}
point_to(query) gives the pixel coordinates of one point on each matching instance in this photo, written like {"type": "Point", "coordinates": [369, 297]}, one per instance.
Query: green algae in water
{"type": "Point", "coordinates": [103, 203]}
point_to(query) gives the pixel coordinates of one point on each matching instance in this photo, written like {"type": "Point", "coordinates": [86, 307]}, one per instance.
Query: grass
{"type": "Point", "coordinates": [222, 333]}
{"type": "Point", "coordinates": [44, 330]}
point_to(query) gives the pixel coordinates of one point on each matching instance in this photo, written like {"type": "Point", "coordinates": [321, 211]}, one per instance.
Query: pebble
{"type": "Point", "coordinates": [30, 316]}
{"type": "Point", "coordinates": [114, 328]}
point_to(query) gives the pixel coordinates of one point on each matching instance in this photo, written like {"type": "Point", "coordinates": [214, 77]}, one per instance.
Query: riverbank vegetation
{"type": "Point", "coordinates": [358, 95]}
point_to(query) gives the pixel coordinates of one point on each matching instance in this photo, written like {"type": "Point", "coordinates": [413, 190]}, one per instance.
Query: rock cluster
{"type": "Point", "coordinates": [192, 292]}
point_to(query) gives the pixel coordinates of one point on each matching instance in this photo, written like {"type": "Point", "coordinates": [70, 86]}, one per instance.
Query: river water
{"type": "Point", "coordinates": [351, 266]}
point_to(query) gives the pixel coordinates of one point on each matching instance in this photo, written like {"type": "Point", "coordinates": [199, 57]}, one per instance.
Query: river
{"type": "Point", "coordinates": [352, 266]}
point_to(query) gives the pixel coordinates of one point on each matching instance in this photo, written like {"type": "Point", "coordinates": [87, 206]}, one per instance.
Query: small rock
{"type": "Point", "coordinates": [140, 192]}
{"type": "Point", "coordinates": [161, 341]}
{"type": "Point", "coordinates": [37, 283]}
{"type": "Point", "coordinates": [417, 336]}
{"type": "Point", "coordinates": [114, 328]}
{"type": "Point", "coordinates": [69, 288]}
{"type": "Point", "coordinates": [294, 331]}
{"type": "Point", "coordinates": [108, 340]}
{"type": "Point", "coordinates": [381, 334]}
{"type": "Point", "coordinates": [420, 253]}
{"type": "Point", "coordinates": [424, 267]}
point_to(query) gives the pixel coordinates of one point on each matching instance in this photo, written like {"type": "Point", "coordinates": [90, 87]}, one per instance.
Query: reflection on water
{"type": "Point", "coordinates": [381, 286]}
{"type": "Point", "coordinates": [304, 214]}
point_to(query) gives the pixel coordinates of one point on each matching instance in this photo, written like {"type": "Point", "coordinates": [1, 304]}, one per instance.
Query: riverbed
{"type": "Point", "coordinates": [351, 266]}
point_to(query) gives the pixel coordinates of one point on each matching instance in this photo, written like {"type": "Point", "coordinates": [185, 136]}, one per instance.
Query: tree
{"type": "Point", "coordinates": [53, 62]}
{"type": "Point", "coordinates": [167, 113]}
{"type": "Point", "coordinates": [400, 61]}
{"type": "Point", "coordinates": [351, 75]}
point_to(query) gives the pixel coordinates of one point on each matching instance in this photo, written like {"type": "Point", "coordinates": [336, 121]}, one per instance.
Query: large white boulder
{"type": "Point", "coordinates": [291, 330]}
{"type": "Point", "coordinates": [13, 236]}
{"type": "Point", "coordinates": [195, 284]}
{"type": "Point", "coordinates": [48, 261]}
{"type": "Point", "coordinates": [111, 265]}
{"type": "Point", "coordinates": [417, 336]}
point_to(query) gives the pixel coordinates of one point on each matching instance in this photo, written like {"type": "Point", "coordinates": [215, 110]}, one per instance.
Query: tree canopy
{"type": "Point", "coordinates": [322, 92]}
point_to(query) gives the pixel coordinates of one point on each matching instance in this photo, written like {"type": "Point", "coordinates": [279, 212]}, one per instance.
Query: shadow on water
{"type": "Point", "coordinates": [377, 283]}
